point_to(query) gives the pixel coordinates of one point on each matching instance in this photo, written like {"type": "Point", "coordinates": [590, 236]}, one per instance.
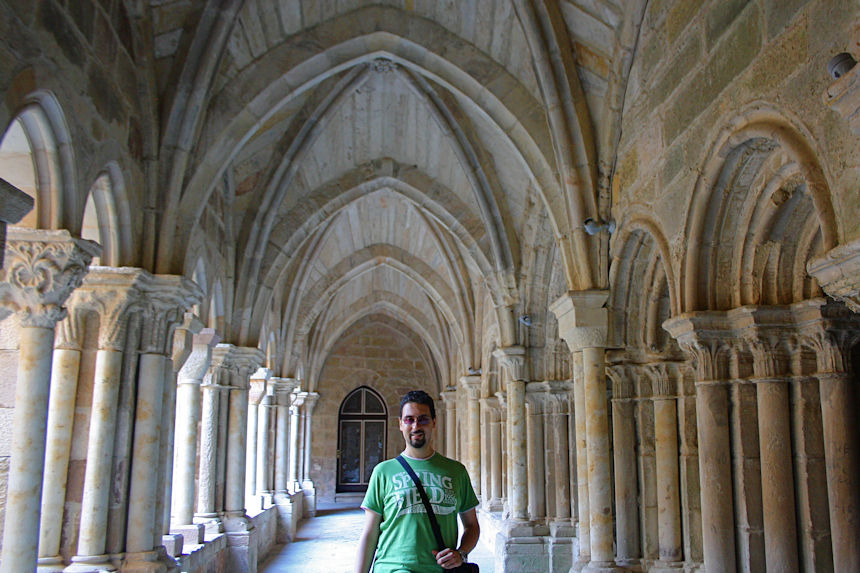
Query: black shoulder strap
{"type": "Point", "coordinates": [433, 523]}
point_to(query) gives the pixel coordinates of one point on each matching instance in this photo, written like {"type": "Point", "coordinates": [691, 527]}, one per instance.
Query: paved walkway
{"type": "Point", "coordinates": [327, 544]}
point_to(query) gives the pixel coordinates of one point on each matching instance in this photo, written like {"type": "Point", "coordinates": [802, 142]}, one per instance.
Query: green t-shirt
{"type": "Point", "coordinates": [406, 540]}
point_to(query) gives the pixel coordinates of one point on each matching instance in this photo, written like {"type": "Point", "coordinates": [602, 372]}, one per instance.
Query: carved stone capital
{"type": "Point", "coordinates": [449, 397]}
{"type": "Point", "coordinates": [195, 366]}
{"type": "Point", "coordinates": [665, 378]}
{"type": "Point", "coordinates": [830, 329]}
{"type": "Point", "coordinates": [284, 386]}
{"type": "Point", "coordinates": [164, 300]}
{"type": "Point", "coordinates": [472, 386]}
{"type": "Point", "coordinates": [259, 385]}
{"type": "Point", "coordinates": [40, 271]}
{"type": "Point", "coordinates": [239, 361]}
{"type": "Point", "coordinates": [513, 359]}
{"type": "Point", "coordinates": [838, 271]}
{"type": "Point", "coordinates": [583, 321]}
{"type": "Point", "coordinates": [549, 395]}
{"type": "Point", "coordinates": [623, 383]}
{"type": "Point", "coordinates": [709, 340]}
{"type": "Point", "coordinates": [311, 402]}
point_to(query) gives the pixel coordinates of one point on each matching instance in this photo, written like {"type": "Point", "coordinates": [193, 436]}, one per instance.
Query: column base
{"type": "Point", "coordinates": [289, 507]}
{"type": "Point", "coordinates": [53, 564]}
{"type": "Point", "coordinates": [211, 521]}
{"type": "Point", "coordinates": [89, 564]}
{"type": "Point", "coordinates": [173, 543]}
{"type": "Point", "coordinates": [603, 567]}
{"type": "Point", "coordinates": [143, 562]}
{"type": "Point", "coordinates": [192, 534]}
{"type": "Point", "coordinates": [667, 567]}
{"type": "Point", "coordinates": [242, 550]}
{"type": "Point", "coordinates": [310, 495]}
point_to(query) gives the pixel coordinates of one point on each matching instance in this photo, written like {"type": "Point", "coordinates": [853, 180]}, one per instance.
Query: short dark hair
{"type": "Point", "coordinates": [419, 397]}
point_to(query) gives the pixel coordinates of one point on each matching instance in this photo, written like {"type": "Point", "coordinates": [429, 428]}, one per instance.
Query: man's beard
{"type": "Point", "coordinates": [417, 441]}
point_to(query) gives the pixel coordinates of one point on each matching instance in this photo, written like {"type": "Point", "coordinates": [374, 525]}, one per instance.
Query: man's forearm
{"type": "Point", "coordinates": [469, 539]}
{"type": "Point", "coordinates": [366, 549]}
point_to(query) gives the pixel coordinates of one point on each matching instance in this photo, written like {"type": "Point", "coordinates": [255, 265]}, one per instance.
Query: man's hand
{"type": "Point", "coordinates": [448, 558]}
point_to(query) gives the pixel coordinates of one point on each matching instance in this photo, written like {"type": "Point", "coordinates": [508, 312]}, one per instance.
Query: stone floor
{"type": "Point", "coordinates": [327, 544]}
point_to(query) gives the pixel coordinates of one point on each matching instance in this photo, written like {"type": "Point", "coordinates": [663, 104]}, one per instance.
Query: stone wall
{"type": "Point", "coordinates": [373, 353]}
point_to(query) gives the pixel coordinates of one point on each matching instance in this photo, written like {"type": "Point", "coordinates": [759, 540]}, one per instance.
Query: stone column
{"type": "Point", "coordinates": [166, 297]}
{"type": "Point", "coordinates": [183, 343]}
{"type": "Point", "coordinates": [61, 413]}
{"type": "Point", "coordinates": [308, 489]}
{"type": "Point", "coordinates": [216, 379]}
{"type": "Point", "coordinates": [704, 339]}
{"type": "Point", "coordinates": [558, 414]}
{"type": "Point", "coordinates": [449, 399]}
{"type": "Point", "coordinates": [583, 323]}
{"type": "Point", "coordinates": [40, 271]}
{"type": "Point", "coordinates": [110, 293]}
{"type": "Point", "coordinates": [664, 384]}
{"type": "Point", "coordinates": [256, 393]}
{"type": "Point", "coordinates": [581, 464]}
{"type": "Point", "coordinates": [472, 387]}
{"type": "Point", "coordinates": [535, 403]}
{"type": "Point", "coordinates": [288, 514]}
{"type": "Point", "coordinates": [624, 448]}
{"type": "Point", "coordinates": [188, 410]}
{"type": "Point", "coordinates": [241, 535]}
{"type": "Point", "coordinates": [264, 458]}
{"type": "Point", "coordinates": [493, 501]}
{"type": "Point", "coordinates": [831, 331]}
{"type": "Point", "coordinates": [295, 406]}
{"type": "Point", "coordinates": [513, 359]}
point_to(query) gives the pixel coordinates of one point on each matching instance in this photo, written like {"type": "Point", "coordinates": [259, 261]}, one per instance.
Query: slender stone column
{"type": "Point", "coordinates": [166, 297]}
{"type": "Point", "coordinates": [298, 400]}
{"type": "Point", "coordinates": [188, 409]}
{"type": "Point", "coordinates": [40, 271]}
{"type": "Point", "coordinates": [513, 359]}
{"type": "Point", "coordinates": [624, 447]}
{"type": "Point", "coordinates": [581, 463]}
{"type": "Point", "coordinates": [494, 501]}
{"type": "Point", "coordinates": [449, 399]}
{"type": "Point", "coordinates": [558, 417]}
{"type": "Point", "coordinates": [241, 534]}
{"type": "Point", "coordinates": [831, 330]}
{"type": "Point", "coordinates": [472, 387]}
{"type": "Point", "coordinates": [110, 292]}
{"type": "Point", "coordinates": [287, 514]}
{"type": "Point", "coordinates": [207, 507]}
{"type": "Point", "coordinates": [703, 336]}
{"type": "Point", "coordinates": [61, 413]}
{"type": "Point", "coordinates": [264, 459]}
{"type": "Point", "coordinates": [256, 394]}
{"type": "Point", "coordinates": [535, 400]}
{"type": "Point", "coordinates": [583, 323]}
{"type": "Point", "coordinates": [308, 489]}
{"type": "Point", "coordinates": [664, 383]}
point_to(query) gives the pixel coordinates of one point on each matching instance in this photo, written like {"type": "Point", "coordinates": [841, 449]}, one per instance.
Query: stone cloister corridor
{"type": "Point", "coordinates": [618, 241]}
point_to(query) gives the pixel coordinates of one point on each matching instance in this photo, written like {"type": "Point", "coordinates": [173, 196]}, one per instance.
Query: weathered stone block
{"type": "Point", "coordinates": [719, 17]}
{"type": "Point", "coordinates": [778, 13]}
{"type": "Point", "coordinates": [681, 14]}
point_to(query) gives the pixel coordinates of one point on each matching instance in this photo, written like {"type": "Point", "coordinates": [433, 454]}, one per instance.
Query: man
{"type": "Point", "coordinates": [397, 528]}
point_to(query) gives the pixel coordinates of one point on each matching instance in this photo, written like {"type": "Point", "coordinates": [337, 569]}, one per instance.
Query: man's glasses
{"type": "Point", "coordinates": [420, 420]}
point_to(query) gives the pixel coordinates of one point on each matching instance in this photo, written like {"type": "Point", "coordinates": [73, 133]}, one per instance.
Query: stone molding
{"type": "Point", "coordinates": [623, 386]}
{"type": "Point", "coordinates": [238, 360]}
{"type": "Point", "coordinates": [449, 397]}
{"type": "Point", "coordinates": [838, 271]}
{"type": "Point", "coordinates": [311, 399]}
{"type": "Point", "coordinates": [583, 321]}
{"type": "Point", "coordinates": [259, 385]}
{"type": "Point", "coordinates": [665, 378]}
{"type": "Point", "coordinates": [513, 359]}
{"type": "Point", "coordinates": [41, 270]}
{"type": "Point", "coordinates": [550, 395]}
{"type": "Point", "coordinates": [183, 340]}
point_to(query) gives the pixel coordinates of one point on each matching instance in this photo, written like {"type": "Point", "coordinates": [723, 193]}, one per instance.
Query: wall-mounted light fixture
{"type": "Point", "coordinates": [840, 64]}
{"type": "Point", "coordinates": [593, 227]}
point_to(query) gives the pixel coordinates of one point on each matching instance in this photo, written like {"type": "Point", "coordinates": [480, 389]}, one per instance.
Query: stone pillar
{"type": "Point", "coordinates": [264, 457]}
{"type": "Point", "coordinates": [449, 399]}
{"type": "Point", "coordinates": [702, 337]}
{"type": "Point", "coordinates": [216, 379]}
{"type": "Point", "coordinates": [40, 271]}
{"type": "Point", "coordinates": [61, 413]}
{"type": "Point", "coordinates": [256, 394]}
{"type": "Point", "coordinates": [166, 297]}
{"type": "Point", "coordinates": [188, 415]}
{"type": "Point", "coordinates": [493, 501]}
{"type": "Point", "coordinates": [624, 448]}
{"type": "Point", "coordinates": [295, 406]}
{"type": "Point", "coordinates": [472, 387]}
{"type": "Point", "coordinates": [831, 331]}
{"type": "Point", "coordinates": [581, 465]}
{"type": "Point", "coordinates": [288, 512]}
{"type": "Point", "coordinates": [664, 384]}
{"type": "Point", "coordinates": [558, 413]}
{"type": "Point", "coordinates": [535, 404]}
{"type": "Point", "coordinates": [110, 293]}
{"type": "Point", "coordinates": [583, 323]}
{"type": "Point", "coordinates": [513, 359]}
{"type": "Point", "coordinates": [241, 535]}
{"type": "Point", "coordinates": [308, 489]}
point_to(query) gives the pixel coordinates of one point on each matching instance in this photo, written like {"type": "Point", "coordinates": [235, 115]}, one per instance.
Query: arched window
{"type": "Point", "coordinates": [362, 423]}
